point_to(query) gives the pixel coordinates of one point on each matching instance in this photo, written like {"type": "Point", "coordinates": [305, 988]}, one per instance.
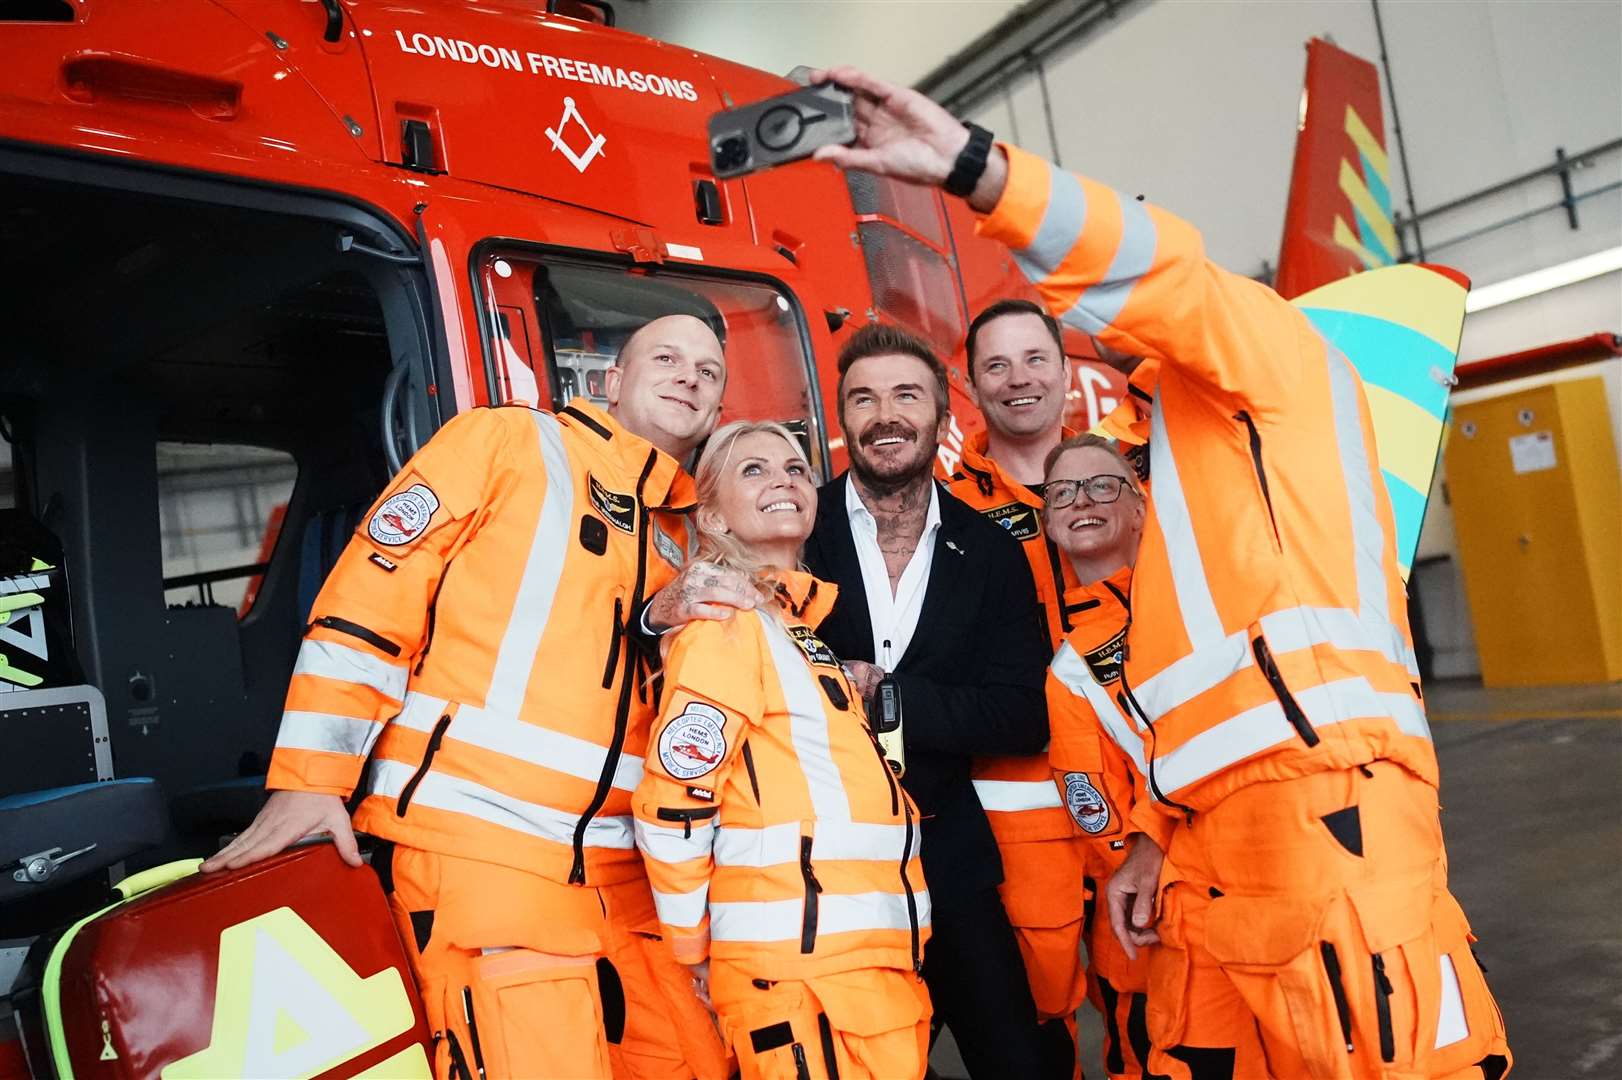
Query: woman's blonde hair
{"type": "Point", "coordinates": [722, 548]}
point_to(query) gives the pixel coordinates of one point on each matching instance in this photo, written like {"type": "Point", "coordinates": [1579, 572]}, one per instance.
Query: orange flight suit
{"type": "Point", "coordinates": [1044, 887]}
{"type": "Point", "coordinates": [1100, 786]}
{"type": "Point", "coordinates": [1269, 673]}
{"type": "Point", "coordinates": [783, 851]}
{"type": "Point", "coordinates": [472, 641]}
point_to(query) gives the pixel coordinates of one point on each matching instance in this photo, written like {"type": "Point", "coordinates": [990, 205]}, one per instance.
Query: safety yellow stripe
{"type": "Point", "coordinates": [1422, 300]}
{"type": "Point", "coordinates": [1363, 199]}
{"type": "Point", "coordinates": [1406, 434]}
{"type": "Point", "coordinates": [1367, 144]}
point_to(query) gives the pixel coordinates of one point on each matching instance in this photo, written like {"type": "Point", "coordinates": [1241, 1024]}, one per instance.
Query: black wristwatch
{"type": "Point", "coordinates": [971, 163]}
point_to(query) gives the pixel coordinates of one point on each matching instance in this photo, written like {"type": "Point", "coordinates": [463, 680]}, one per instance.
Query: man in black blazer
{"type": "Point", "coordinates": [941, 599]}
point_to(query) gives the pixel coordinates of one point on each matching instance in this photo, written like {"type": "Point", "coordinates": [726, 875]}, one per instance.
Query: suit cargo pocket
{"type": "Point", "coordinates": [775, 1034]}
{"type": "Point", "coordinates": [1166, 1014]}
{"type": "Point", "coordinates": [1469, 1027]}
{"type": "Point", "coordinates": [527, 1013]}
{"type": "Point", "coordinates": [1403, 988]}
{"type": "Point", "coordinates": [1272, 950]}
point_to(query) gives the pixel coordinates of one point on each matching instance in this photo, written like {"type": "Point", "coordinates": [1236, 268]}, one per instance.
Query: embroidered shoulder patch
{"type": "Point", "coordinates": [404, 516]}
{"type": "Point", "coordinates": [693, 743]}
{"type": "Point", "coordinates": [1105, 661]}
{"type": "Point", "coordinates": [1022, 522]}
{"type": "Point", "coordinates": [618, 510]}
{"type": "Point", "coordinates": [666, 546]}
{"type": "Point", "coordinates": [1085, 803]}
{"type": "Point", "coordinates": [815, 651]}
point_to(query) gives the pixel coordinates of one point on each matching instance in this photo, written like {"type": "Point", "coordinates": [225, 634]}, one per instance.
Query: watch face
{"type": "Point", "coordinates": [780, 128]}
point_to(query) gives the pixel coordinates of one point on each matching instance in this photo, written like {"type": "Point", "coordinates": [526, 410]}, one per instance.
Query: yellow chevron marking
{"type": "Point", "coordinates": [1357, 191]}
{"type": "Point", "coordinates": [1367, 144]}
{"type": "Point", "coordinates": [1406, 434]}
{"type": "Point", "coordinates": [1424, 301]}
{"type": "Point", "coordinates": [1346, 238]}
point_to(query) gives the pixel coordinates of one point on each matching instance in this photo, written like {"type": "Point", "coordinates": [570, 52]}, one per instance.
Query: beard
{"type": "Point", "coordinates": [888, 477]}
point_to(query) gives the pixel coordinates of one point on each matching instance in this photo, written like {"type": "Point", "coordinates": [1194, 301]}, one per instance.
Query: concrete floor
{"type": "Point", "coordinates": [1532, 810]}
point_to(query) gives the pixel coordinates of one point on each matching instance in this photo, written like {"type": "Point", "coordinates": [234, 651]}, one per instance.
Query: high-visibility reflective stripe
{"type": "Point", "coordinates": [686, 909]}
{"type": "Point", "coordinates": [529, 743]}
{"type": "Point", "coordinates": [678, 845]}
{"type": "Point", "coordinates": [458, 795]}
{"type": "Point", "coordinates": [326, 732]}
{"type": "Point", "coordinates": [532, 602]}
{"type": "Point", "coordinates": [1369, 541]}
{"type": "Point", "coordinates": [1286, 630]}
{"type": "Point", "coordinates": [779, 844]}
{"type": "Point", "coordinates": [1073, 671]}
{"type": "Point", "coordinates": [1012, 796]}
{"type": "Point", "coordinates": [1265, 726]}
{"type": "Point", "coordinates": [808, 725]}
{"type": "Point", "coordinates": [1060, 229]}
{"type": "Point", "coordinates": [330, 660]}
{"type": "Point", "coordinates": [1101, 304]}
{"type": "Point", "coordinates": [1201, 622]}
{"type": "Point", "coordinates": [837, 913]}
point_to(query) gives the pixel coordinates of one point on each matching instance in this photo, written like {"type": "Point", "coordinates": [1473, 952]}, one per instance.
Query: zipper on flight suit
{"type": "Point", "coordinates": [686, 817]}
{"type": "Point", "coordinates": [1292, 708]}
{"type": "Point", "coordinates": [749, 766]}
{"type": "Point", "coordinates": [433, 608]}
{"type": "Point", "coordinates": [614, 636]}
{"type": "Point", "coordinates": [410, 788]}
{"type": "Point", "coordinates": [622, 712]}
{"type": "Point", "coordinates": [1261, 474]}
{"type": "Point", "coordinates": [1343, 1008]}
{"type": "Point", "coordinates": [1382, 1010]}
{"type": "Point", "coordinates": [356, 630]}
{"type": "Point", "coordinates": [1129, 704]}
{"type": "Point", "coordinates": [899, 804]}
{"type": "Point", "coordinates": [808, 924]}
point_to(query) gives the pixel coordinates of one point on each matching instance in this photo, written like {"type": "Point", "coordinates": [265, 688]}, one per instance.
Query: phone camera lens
{"type": "Point", "coordinates": [731, 152]}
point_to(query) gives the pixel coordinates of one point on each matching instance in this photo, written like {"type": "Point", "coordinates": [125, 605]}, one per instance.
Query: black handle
{"type": "Point", "coordinates": [335, 20]}
{"type": "Point", "coordinates": [601, 5]}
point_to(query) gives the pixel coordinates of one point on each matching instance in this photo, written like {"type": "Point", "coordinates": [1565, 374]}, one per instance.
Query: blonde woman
{"type": "Point", "coordinates": [782, 851]}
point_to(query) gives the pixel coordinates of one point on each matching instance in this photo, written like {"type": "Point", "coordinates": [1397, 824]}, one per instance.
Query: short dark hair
{"type": "Point", "coordinates": [881, 339]}
{"type": "Point", "coordinates": [1011, 307]}
{"type": "Point", "coordinates": [1091, 441]}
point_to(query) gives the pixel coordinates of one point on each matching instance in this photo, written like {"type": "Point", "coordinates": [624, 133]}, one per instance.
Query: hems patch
{"type": "Point", "coordinates": [1085, 803]}
{"type": "Point", "coordinates": [404, 516]}
{"type": "Point", "coordinates": [815, 651]}
{"type": "Point", "coordinates": [1105, 661]}
{"type": "Point", "coordinates": [693, 743]}
{"type": "Point", "coordinates": [1022, 522]}
{"type": "Point", "coordinates": [618, 510]}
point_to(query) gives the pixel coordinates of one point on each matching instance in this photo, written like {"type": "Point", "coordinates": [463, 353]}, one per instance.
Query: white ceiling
{"type": "Point", "coordinates": [901, 40]}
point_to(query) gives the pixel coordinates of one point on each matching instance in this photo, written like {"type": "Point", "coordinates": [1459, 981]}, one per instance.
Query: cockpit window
{"type": "Point", "coordinates": [556, 325]}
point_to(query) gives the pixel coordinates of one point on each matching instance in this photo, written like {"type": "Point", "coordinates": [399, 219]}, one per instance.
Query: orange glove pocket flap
{"type": "Point", "coordinates": [1262, 931]}
{"type": "Point", "coordinates": [535, 1014]}
{"type": "Point", "coordinates": [869, 1002]}
{"type": "Point", "coordinates": [1388, 915]}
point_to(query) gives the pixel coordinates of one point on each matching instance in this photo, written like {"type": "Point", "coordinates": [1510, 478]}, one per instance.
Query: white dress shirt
{"type": "Point", "coordinates": [894, 614]}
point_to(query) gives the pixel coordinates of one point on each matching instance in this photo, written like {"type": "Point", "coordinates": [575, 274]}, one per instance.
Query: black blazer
{"type": "Point", "coordinates": [971, 680]}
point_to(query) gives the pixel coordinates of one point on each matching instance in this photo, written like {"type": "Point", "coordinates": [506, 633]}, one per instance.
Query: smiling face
{"type": "Point", "coordinates": [764, 498]}
{"type": "Point", "coordinates": [1020, 376]}
{"type": "Point", "coordinates": [891, 421]}
{"type": "Point", "coordinates": [666, 384]}
{"type": "Point", "coordinates": [1103, 535]}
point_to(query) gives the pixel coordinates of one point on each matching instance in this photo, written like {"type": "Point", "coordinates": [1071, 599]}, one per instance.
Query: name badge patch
{"type": "Point", "coordinates": [1022, 522]}
{"type": "Point", "coordinates": [404, 516]}
{"type": "Point", "coordinates": [1085, 803]}
{"type": "Point", "coordinates": [1105, 661]}
{"type": "Point", "coordinates": [618, 510]}
{"type": "Point", "coordinates": [693, 743]}
{"type": "Point", "coordinates": [815, 651]}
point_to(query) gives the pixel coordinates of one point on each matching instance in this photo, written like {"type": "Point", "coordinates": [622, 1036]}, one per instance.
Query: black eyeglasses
{"type": "Point", "coordinates": [1100, 489]}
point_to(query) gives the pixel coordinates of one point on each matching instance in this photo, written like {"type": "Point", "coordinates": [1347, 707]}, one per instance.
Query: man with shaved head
{"type": "Point", "coordinates": [504, 708]}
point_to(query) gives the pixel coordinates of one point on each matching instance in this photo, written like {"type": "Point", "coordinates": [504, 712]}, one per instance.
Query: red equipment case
{"type": "Point", "coordinates": [288, 968]}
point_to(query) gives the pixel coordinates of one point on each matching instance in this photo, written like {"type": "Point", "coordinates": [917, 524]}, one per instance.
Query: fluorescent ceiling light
{"type": "Point", "coordinates": [1541, 281]}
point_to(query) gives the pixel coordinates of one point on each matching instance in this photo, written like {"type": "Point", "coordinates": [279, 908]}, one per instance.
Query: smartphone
{"type": "Point", "coordinates": [781, 129]}
{"type": "Point", "coordinates": [886, 722]}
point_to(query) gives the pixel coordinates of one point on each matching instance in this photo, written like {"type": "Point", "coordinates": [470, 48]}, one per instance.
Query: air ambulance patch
{"type": "Point", "coordinates": [1021, 522]}
{"type": "Point", "coordinates": [618, 510]}
{"type": "Point", "coordinates": [815, 651]}
{"type": "Point", "coordinates": [404, 516]}
{"type": "Point", "coordinates": [1085, 803]}
{"type": "Point", "coordinates": [693, 743]}
{"type": "Point", "coordinates": [1105, 661]}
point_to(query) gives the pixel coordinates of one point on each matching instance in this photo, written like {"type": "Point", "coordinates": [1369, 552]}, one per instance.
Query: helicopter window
{"type": "Point", "coordinates": [557, 325]}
